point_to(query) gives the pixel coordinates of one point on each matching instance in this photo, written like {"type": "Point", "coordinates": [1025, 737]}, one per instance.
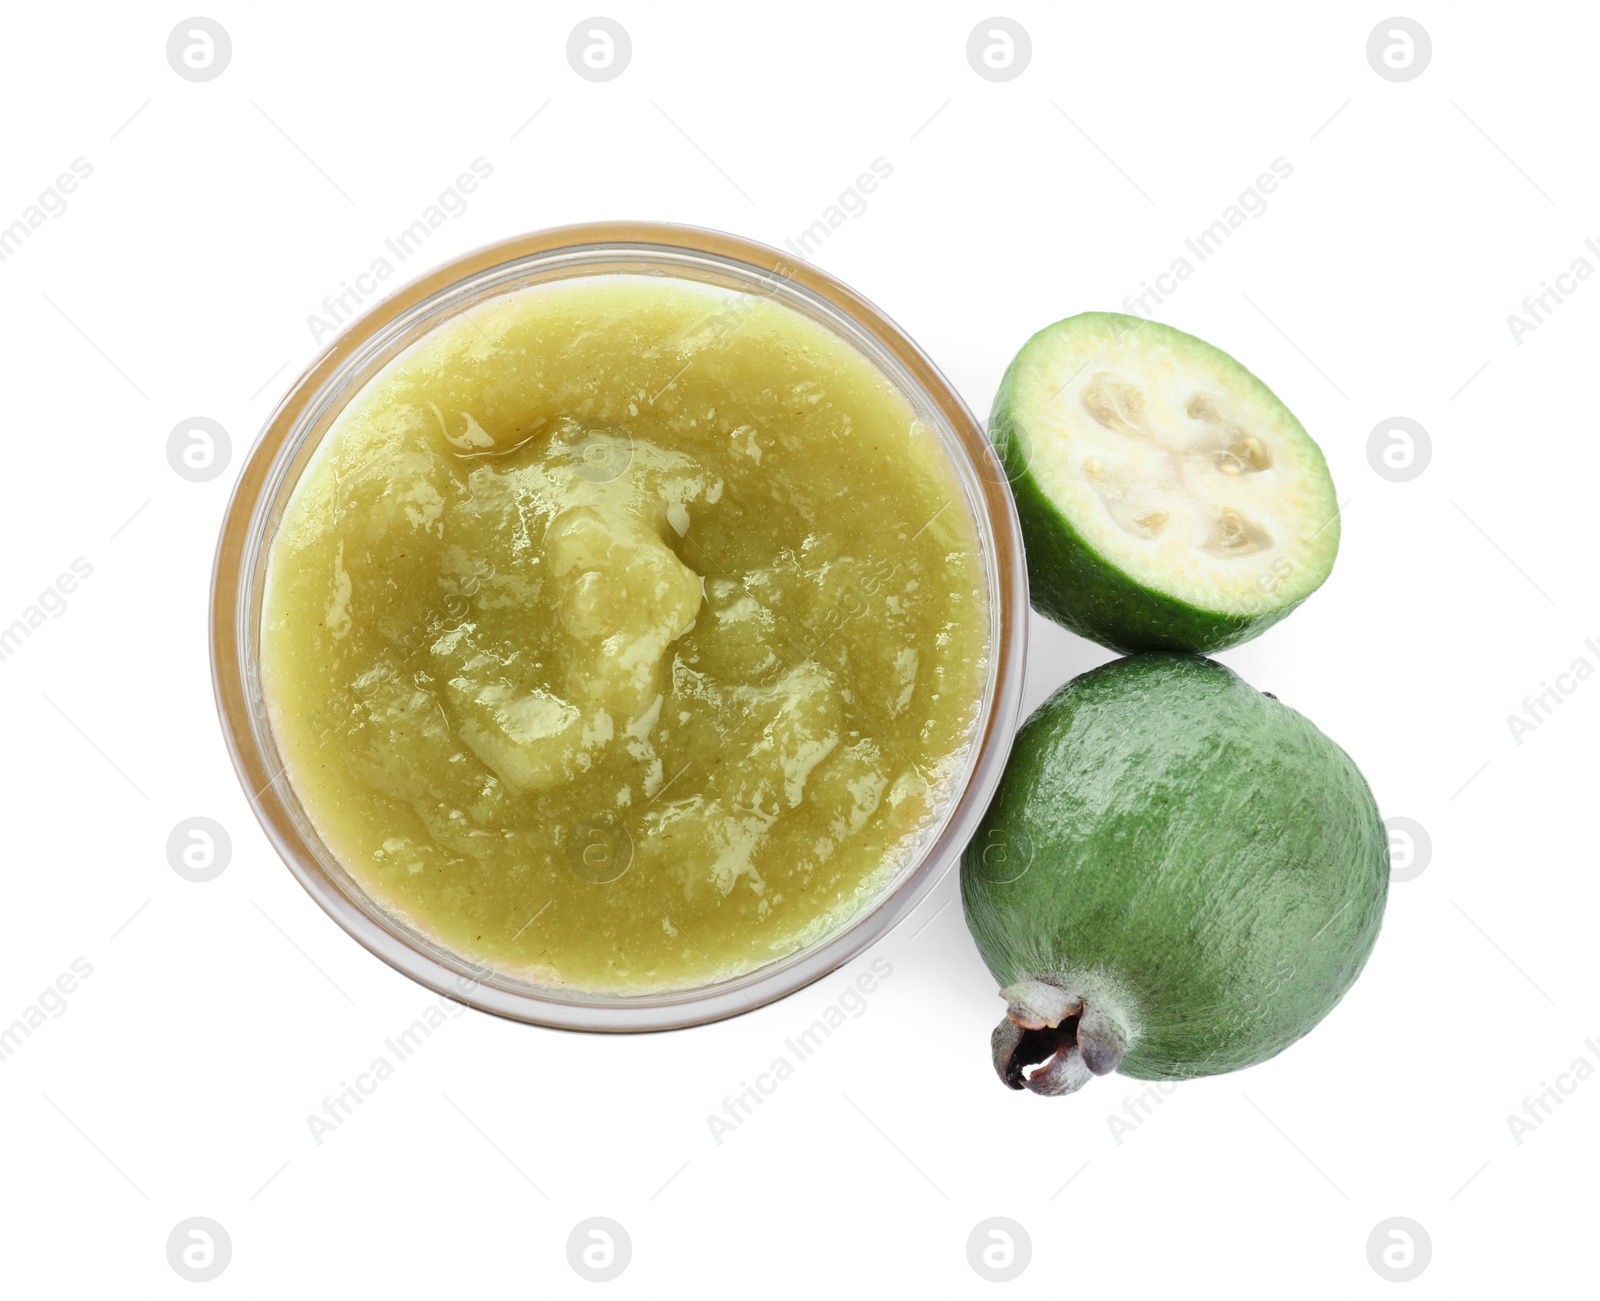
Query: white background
{"type": "Point", "coordinates": [1378, 282]}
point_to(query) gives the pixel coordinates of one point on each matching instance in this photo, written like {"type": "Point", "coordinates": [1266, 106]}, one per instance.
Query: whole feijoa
{"type": "Point", "coordinates": [1178, 876]}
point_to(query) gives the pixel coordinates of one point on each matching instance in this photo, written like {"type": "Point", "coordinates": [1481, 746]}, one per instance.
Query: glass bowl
{"type": "Point", "coordinates": [310, 407]}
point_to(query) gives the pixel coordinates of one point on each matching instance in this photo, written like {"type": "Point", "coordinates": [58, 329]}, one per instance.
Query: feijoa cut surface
{"type": "Point", "coordinates": [1179, 876]}
{"type": "Point", "coordinates": [1168, 499]}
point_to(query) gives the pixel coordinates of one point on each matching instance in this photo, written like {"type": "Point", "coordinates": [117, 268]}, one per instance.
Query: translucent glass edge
{"type": "Point", "coordinates": [417, 954]}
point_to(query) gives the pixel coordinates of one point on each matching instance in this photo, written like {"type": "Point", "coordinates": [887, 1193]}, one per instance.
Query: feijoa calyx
{"type": "Point", "coordinates": [1178, 876]}
{"type": "Point", "coordinates": [1168, 499]}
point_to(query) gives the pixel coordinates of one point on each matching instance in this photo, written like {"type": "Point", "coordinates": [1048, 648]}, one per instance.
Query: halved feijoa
{"type": "Point", "coordinates": [1168, 500]}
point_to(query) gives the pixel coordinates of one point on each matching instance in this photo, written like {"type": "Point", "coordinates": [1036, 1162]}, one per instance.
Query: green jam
{"type": "Point", "coordinates": [626, 634]}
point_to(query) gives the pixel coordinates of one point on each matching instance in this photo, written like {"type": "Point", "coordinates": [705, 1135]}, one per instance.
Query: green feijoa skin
{"type": "Point", "coordinates": [1168, 500]}
{"type": "Point", "coordinates": [1178, 876]}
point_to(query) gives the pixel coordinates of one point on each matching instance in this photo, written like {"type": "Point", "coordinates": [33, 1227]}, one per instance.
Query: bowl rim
{"type": "Point", "coordinates": [454, 975]}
